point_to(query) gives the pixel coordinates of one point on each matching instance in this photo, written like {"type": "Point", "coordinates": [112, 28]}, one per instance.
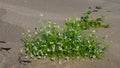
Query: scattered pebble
{"type": "Point", "coordinates": [98, 7]}
{"type": "Point", "coordinates": [2, 42]}
{"type": "Point", "coordinates": [35, 28]}
{"type": "Point", "coordinates": [89, 7]}
{"type": "Point", "coordinates": [95, 11]}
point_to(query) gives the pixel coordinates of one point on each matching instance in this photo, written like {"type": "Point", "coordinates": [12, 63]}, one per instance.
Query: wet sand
{"type": "Point", "coordinates": [18, 16]}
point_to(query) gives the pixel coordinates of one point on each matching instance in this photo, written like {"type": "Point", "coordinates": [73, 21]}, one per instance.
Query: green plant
{"type": "Point", "coordinates": [86, 22]}
{"type": "Point", "coordinates": [73, 41]}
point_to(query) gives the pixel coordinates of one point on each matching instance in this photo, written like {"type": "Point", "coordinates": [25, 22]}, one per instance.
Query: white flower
{"type": "Point", "coordinates": [48, 32]}
{"type": "Point", "coordinates": [78, 57]}
{"type": "Point", "coordinates": [49, 26]}
{"type": "Point", "coordinates": [94, 56]}
{"type": "Point", "coordinates": [28, 31]}
{"type": "Point", "coordinates": [41, 14]}
{"type": "Point", "coordinates": [58, 26]}
{"type": "Point", "coordinates": [88, 41]}
{"type": "Point", "coordinates": [85, 53]}
{"type": "Point", "coordinates": [49, 22]}
{"type": "Point", "coordinates": [46, 54]}
{"type": "Point", "coordinates": [48, 50]}
{"type": "Point", "coordinates": [36, 33]}
{"type": "Point", "coordinates": [60, 62]}
{"type": "Point", "coordinates": [77, 47]}
{"type": "Point", "coordinates": [41, 30]}
{"type": "Point", "coordinates": [23, 33]}
{"type": "Point", "coordinates": [27, 43]}
{"type": "Point", "coordinates": [27, 49]}
{"type": "Point", "coordinates": [44, 45]}
{"type": "Point", "coordinates": [59, 34]}
{"type": "Point", "coordinates": [77, 18]}
{"type": "Point", "coordinates": [52, 59]}
{"type": "Point", "coordinates": [59, 43]}
{"type": "Point", "coordinates": [44, 57]}
{"type": "Point", "coordinates": [35, 47]}
{"type": "Point", "coordinates": [66, 19]}
{"type": "Point", "coordinates": [62, 29]}
{"type": "Point", "coordinates": [51, 42]}
{"type": "Point", "coordinates": [90, 35]}
{"type": "Point", "coordinates": [106, 36]}
{"type": "Point", "coordinates": [94, 31]}
{"type": "Point", "coordinates": [32, 44]}
{"type": "Point", "coordinates": [73, 42]}
{"type": "Point", "coordinates": [89, 45]}
{"type": "Point", "coordinates": [71, 29]}
{"type": "Point", "coordinates": [38, 43]}
{"type": "Point", "coordinates": [40, 40]}
{"type": "Point", "coordinates": [60, 49]}
{"type": "Point", "coordinates": [100, 50]}
{"type": "Point", "coordinates": [40, 51]}
{"type": "Point", "coordinates": [54, 23]}
{"type": "Point", "coordinates": [79, 36]}
{"type": "Point", "coordinates": [76, 32]}
{"type": "Point", "coordinates": [39, 57]}
{"type": "Point", "coordinates": [53, 48]}
{"type": "Point", "coordinates": [29, 35]}
{"type": "Point", "coordinates": [65, 37]}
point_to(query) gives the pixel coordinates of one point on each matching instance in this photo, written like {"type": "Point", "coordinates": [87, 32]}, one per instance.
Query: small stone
{"type": "Point", "coordinates": [95, 11]}
{"type": "Point", "coordinates": [98, 7]}
{"type": "Point", "coordinates": [35, 28]}
{"type": "Point", "coordinates": [89, 7]}
{"type": "Point", "coordinates": [2, 42]}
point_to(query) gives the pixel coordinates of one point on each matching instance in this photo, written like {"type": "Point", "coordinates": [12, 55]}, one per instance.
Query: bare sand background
{"type": "Point", "coordinates": [17, 16]}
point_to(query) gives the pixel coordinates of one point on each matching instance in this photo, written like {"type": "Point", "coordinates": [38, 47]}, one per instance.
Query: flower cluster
{"type": "Point", "coordinates": [73, 41]}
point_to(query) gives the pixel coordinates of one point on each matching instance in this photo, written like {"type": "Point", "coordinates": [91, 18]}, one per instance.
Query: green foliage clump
{"type": "Point", "coordinates": [73, 41]}
{"type": "Point", "coordinates": [86, 22]}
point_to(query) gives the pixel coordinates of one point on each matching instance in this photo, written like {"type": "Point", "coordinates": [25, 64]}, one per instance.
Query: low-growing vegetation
{"type": "Point", "coordinates": [73, 41]}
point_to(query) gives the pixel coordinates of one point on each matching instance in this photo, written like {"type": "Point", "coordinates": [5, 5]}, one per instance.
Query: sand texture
{"type": "Point", "coordinates": [17, 16]}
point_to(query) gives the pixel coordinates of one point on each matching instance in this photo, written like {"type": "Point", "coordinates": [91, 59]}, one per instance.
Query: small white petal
{"type": "Point", "coordinates": [41, 14]}
{"type": "Point", "coordinates": [28, 31]}
{"type": "Point", "coordinates": [51, 42]}
{"type": "Point", "coordinates": [94, 31]}
{"type": "Point", "coordinates": [94, 56]}
{"type": "Point", "coordinates": [23, 33]}
{"type": "Point", "coordinates": [29, 35]}
{"type": "Point", "coordinates": [49, 26]}
{"type": "Point", "coordinates": [36, 33]}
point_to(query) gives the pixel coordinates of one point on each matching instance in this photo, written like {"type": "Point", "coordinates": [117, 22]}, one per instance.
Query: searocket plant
{"type": "Point", "coordinates": [73, 41]}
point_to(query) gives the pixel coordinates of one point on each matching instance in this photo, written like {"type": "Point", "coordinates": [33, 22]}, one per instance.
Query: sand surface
{"type": "Point", "coordinates": [17, 16]}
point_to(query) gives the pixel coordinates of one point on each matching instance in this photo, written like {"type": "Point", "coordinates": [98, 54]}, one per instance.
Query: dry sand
{"type": "Point", "coordinates": [21, 15]}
